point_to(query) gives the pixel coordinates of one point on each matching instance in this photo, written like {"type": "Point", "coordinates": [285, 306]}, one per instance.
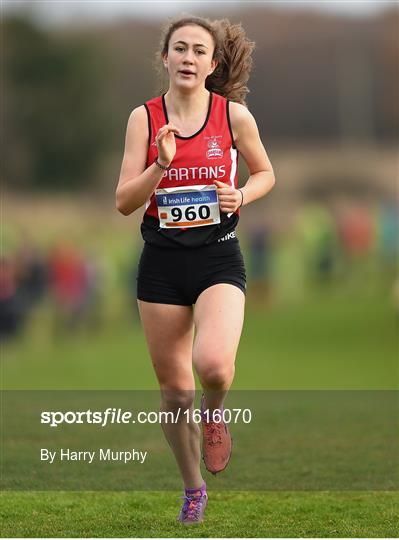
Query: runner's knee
{"type": "Point", "coordinates": [174, 399]}
{"type": "Point", "coordinates": [215, 376]}
{"type": "Point", "coordinates": [173, 373]}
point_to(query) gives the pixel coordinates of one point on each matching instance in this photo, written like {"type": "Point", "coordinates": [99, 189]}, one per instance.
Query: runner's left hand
{"type": "Point", "coordinates": [229, 197]}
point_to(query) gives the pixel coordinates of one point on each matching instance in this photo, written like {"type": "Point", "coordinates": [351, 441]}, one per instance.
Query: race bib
{"type": "Point", "coordinates": [189, 206]}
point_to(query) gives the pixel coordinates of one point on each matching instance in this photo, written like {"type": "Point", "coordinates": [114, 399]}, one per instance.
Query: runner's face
{"type": "Point", "coordinates": [189, 59]}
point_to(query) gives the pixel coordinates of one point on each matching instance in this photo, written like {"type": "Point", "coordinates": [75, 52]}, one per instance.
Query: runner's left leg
{"type": "Point", "coordinates": [218, 318]}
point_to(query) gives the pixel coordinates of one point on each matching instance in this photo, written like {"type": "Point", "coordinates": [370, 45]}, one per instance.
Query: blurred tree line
{"type": "Point", "coordinates": [68, 91]}
{"type": "Point", "coordinates": [55, 126]}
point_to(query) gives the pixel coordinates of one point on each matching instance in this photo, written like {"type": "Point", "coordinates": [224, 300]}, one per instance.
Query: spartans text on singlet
{"type": "Point", "coordinates": [188, 206]}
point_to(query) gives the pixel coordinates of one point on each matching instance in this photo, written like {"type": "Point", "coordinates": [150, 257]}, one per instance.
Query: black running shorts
{"type": "Point", "coordinates": [179, 275]}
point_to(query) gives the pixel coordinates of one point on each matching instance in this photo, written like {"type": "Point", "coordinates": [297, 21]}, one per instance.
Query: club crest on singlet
{"type": "Point", "coordinates": [214, 150]}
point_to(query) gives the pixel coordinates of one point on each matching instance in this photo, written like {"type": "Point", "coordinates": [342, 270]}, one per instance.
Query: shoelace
{"type": "Point", "coordinates": [213, 433]}
{"type": "Point", "coordinates": [191, 507]}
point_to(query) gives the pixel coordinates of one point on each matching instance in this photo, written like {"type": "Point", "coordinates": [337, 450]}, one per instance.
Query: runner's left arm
{"type": "Point", "coordinates": [250, 146]}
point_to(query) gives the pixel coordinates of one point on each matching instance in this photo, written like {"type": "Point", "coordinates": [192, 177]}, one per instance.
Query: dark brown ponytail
{"type": "Point", "coordinates": [233, 52]}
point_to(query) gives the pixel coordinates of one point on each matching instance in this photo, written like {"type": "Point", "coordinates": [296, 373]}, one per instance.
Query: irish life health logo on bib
{"type": "Point", "coordinates": [189, 206]}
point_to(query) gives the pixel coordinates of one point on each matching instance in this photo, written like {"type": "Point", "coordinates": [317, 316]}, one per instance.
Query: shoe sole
{"type": "Point", "coordinates": [225, 467]}
{"type": "Point", "coordinates": [228, 461]}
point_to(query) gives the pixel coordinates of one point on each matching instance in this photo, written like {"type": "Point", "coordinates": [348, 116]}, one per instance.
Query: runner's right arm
{"type": "Point", "coordinates": [136, 182]}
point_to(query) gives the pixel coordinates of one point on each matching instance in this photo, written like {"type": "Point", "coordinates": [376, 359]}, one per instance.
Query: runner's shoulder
{"type": "Point", "coordinates": [241, 119]}
{"type": "Point", "coordinates": [138, 115]}
{"type": "Point", "coordinates": [137, 125]}
{"type": "Point", "coordinates": [239, 112]}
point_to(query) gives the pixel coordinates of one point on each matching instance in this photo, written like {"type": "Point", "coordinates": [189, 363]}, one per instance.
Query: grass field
{"type": "Point", "coordinates": [234, 514]}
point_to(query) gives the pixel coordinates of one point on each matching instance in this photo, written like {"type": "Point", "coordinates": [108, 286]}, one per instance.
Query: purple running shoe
{"type": "Point", "coordinates": [195, 501]}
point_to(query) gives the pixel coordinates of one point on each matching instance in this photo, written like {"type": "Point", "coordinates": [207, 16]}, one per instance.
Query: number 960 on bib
{"type": "Point", "coordinates": [189, 206]}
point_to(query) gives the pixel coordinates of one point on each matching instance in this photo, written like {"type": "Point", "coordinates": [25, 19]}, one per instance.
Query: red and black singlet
{"type": "Point", "coordinates": [207, 155]}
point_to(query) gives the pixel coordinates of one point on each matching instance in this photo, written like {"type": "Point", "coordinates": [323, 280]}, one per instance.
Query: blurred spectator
{"type": "Point", "coordinates": [259, 244]}
{"type": "Point", "coordinates": [95, 278]}
{"type": "Point", "coordinates": [31, 275]}
{"type": "Point", "coordinates": [10, 314]}
{"type": "Point", "coordinates": [357, 232]}
{"type": "Point", "coordinates": [23, 284]}
{"type": "Point", "coordinates": [69, 284]}
{"type": "Point", "coordinates": [388, 233]}
{"type": "Point", "coordinates": [395, 298]}
{"type": "Point", "coordinates": [317, 232]}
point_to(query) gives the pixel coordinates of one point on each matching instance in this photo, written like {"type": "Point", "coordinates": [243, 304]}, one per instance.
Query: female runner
{"type": "Point", "coordinates": [180, 160]}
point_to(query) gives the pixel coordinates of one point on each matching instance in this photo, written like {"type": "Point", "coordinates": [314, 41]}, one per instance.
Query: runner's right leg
{"type": "Point", "coordinates": [169, 331]}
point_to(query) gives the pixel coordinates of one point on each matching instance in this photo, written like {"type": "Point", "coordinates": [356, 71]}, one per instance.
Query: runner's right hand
{"type": "Point", "coordinates": [166, 143]}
